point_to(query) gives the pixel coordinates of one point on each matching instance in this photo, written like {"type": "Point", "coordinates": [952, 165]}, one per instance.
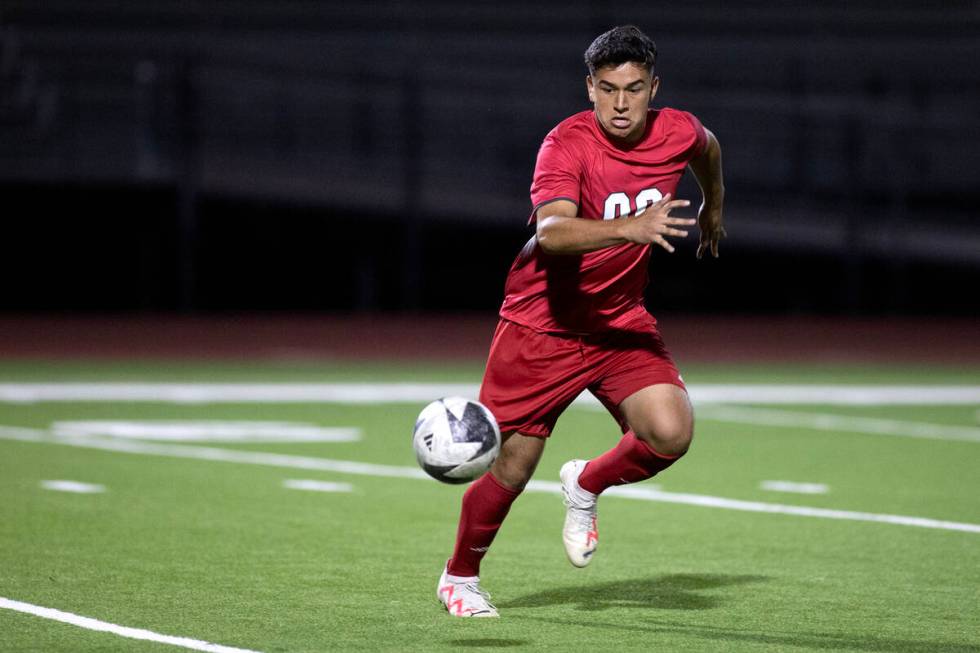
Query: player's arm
{"type": "Point", "coordinates": [561, 231]}
{"type": "Point", "coordinates": [707, 172]}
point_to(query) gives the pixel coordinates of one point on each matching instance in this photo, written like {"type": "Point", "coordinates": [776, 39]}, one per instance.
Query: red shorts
{"type": "Point", "coordinates": [532, 377]}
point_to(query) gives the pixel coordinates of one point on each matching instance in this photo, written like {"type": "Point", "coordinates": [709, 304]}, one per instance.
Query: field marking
{"type": "Point", "coordinates": [842, 395]}
{"type": "Point", "coordinates": [708, 501]}
{"type": "Point", "coordinates": [792, 486]}
{"type": "Point", "coordinates": [392, 471]}
{"type": "Point", "coordinates": [73, 486]}
{"type": "Point", "coordinates": [208, 431]}
{"type": "Point", "coordinates": [211, 453]}
{"type": "Point", "coordinates": [123, 631]}
{"type": "Point", "coordinates": [316, 486]}
{"type": "Point", "coordinates": [375, 393]}
{"type": "Point", "coordinates": [831, 422]}
{"type": "Point", "coordinates": [209, 393]}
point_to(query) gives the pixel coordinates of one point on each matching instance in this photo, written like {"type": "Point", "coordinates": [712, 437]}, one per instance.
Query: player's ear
{"type": "Point", "coordinates": [590, 86]}
{"type": "Point", "coordinates": [654, 87]}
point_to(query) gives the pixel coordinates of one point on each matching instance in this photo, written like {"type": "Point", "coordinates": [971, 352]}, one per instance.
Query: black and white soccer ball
{"type": "Point", "coordinates": [456, 439]}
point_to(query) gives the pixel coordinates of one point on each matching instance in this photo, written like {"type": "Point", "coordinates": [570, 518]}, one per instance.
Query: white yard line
{"type": "Point", "coordinates": [209, 393]}
{"type": "Point", "coordinates": [212, 453]}
{"type": "Point", "coordinates": [794, 487]}
{"type": "Point", "coordinates": [123, 631]}
{"type": "Point", "coordinates": [391, 471]}
{"type": "Point", "coordinates": [375, 393]}
{"type": "Point", "coordinates": [759, 506]}
{"type": "Point", "coordinates": [845, 423]}
{"type": "Point", "coordinates": [844, 395]}
{"type": "Point", "coordinates": [73, 486]}
{"type": "Point", "coordinates": [316, 486]}
{"type": "Point", "coordinates": [207, 431]}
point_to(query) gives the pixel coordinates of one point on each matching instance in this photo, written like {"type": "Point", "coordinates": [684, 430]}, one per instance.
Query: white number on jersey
{"type": "Point", "coordinates": [618, 204]}
{"type": "Point", "coordinates": [646, 198]}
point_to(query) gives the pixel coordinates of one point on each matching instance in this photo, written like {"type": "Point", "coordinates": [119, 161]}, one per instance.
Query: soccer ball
{"type": "Point", "coordinates": [456, 439]}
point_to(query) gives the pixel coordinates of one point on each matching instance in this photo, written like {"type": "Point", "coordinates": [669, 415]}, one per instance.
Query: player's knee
{"type": "Point", "coordinates": [669, 438]}
{"type": "Point", "coordinates": [512, 472]}
{"type": "Point", "coordinates": [516, 464]}
{"type": "Point", "coordinates": [662, 417]}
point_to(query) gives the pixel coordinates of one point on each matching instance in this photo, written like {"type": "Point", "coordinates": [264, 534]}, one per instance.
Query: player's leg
{"type": "Point", "coordinates": [640, 386]}
{"type": "Point", "coordinates": [519, 456]}
{"type": "Point", "coordinates": [662, 417]}
{"type": "Point", "coordinates": [485, 505]}
{"type": "Point", "coordinates": [487, 501]}
{"type": "Point", "coordinates": [661, 425]}
{"type": "Point", "coordinates": [528, 383]}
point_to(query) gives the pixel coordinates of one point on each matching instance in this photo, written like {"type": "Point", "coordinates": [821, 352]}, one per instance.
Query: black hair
{"type": "Point", "coordinates": [622, 44]}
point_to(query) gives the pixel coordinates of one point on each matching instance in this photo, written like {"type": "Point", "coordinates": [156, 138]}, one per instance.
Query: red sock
{"type": "Point", "coordinates": [485, 504]}
{"type": "Point", "coordinates": [629, 461]}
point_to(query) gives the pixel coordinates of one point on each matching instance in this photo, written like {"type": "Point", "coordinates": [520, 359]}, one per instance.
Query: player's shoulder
{"type": "Point", "coordinates": [573, 129]}
{"type": "Point", "coordinates": [670, 118]}
{"type": "Point", "coordinates": [677, 130]}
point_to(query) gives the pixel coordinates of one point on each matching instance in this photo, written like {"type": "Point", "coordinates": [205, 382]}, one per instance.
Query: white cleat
{"type": "Point", "coordinates": [463, 596]}
{"type": "Point", "coordinates": [581, 535]}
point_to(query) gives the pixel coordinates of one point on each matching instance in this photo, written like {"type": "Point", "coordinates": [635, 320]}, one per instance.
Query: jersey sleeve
{"type": "Point", "coordinates": [700, 143]}
{"type": "Point", "coordinates": [557, 175]}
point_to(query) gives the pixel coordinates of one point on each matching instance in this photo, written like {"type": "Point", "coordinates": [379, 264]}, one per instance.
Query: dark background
{"type": "Point", "coordinates": [297, 156]}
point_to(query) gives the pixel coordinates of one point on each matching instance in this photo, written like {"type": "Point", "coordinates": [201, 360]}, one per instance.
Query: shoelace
{"type": "Point", "coordinates": [476, 589]}
{"type": "Point", "coordinates": [569, 502]}
{"type": "Point", "coordinates": [582, 517]}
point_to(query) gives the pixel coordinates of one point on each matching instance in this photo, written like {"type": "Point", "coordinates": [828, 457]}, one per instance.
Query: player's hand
{"type": "Point", "coordinates": [709, 220]}
{"type": "Point", "coordinates": [654, 223]}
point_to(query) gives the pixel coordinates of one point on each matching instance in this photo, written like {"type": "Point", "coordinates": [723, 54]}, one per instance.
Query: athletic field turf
{"type": "Point", "coordinates": [279, 508]}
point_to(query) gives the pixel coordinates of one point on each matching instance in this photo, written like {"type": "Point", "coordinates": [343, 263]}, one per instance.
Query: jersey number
{"type": "Point", "coordinates": [618, 204]}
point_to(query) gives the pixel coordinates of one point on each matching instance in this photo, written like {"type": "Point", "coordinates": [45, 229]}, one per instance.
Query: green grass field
{"type": "Point", "coordinates": [223, 552]}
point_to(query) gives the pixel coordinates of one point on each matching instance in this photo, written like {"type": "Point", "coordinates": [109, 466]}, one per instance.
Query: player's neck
{"type": "Point", "coordinates": [621, 143]}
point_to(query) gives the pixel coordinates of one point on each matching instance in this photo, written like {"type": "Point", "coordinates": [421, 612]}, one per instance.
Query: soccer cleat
{"type": "Point", "coordinates": [580, 534]}
{"type": "Point", "coordinates": [464, 598]}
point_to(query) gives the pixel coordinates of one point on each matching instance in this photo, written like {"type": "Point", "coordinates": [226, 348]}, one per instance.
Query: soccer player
{"type": "Point", "coordinates": [573, 316]}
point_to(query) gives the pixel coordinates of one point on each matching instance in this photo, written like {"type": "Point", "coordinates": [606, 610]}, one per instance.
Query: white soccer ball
{"type": "Point", "coordinates": [456, 439]}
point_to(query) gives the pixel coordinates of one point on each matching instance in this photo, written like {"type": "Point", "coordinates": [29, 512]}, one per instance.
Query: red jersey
{"type": "Point", "coordinates": [599, 290]}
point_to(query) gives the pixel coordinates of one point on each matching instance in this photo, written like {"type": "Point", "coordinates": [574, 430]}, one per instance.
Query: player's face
{"type": "Point", "coordinates": [621, 95]}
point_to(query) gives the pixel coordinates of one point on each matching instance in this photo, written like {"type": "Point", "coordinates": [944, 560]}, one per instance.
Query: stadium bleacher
{"type": "Point", "coordinates": [843, 117]}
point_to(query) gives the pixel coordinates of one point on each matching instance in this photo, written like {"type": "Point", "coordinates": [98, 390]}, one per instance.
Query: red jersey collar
{"type": "Point", "coordinates": [602, 136]}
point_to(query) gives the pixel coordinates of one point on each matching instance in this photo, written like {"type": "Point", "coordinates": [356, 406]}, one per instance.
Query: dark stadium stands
{"type": "Point", "coordinates": [836, 120]}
